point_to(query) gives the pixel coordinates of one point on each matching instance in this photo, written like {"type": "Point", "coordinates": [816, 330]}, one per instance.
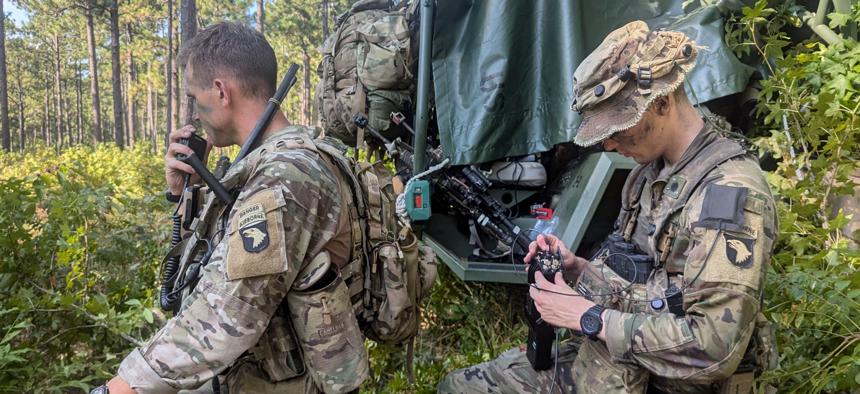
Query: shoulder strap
{"type": "Point", "coordinates": [712, 156]}
{"type": "Point", "coordinates": [633, 187]}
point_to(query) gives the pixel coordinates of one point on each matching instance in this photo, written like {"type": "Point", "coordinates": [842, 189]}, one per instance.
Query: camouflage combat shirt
{"type": "Point", "coordinates": [285, 214]}
{"type": "Point", "coordinates": [718, 266]}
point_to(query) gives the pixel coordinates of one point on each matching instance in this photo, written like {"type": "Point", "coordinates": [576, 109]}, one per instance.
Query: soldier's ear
{"type": "Point", "coordinates": [224, 91]}
{"type": "Point", "coordinates": [661, 105]}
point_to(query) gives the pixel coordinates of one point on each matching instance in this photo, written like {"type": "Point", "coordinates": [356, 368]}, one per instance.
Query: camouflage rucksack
{"type": "Point", "coordinates": [390, 273]}
{"type": "Point", "coordinates": [366, 68]}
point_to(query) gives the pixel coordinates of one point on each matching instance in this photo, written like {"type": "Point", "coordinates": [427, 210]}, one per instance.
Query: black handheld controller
{"type": "Point", "coordinates": [541, 333]}
{"type": "Point", "coordinates": [196, 143]}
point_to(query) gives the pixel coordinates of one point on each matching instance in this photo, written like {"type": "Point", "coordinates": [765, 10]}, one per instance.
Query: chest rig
{"type": "Point", "coordinates": [209, 226]}
{"type": "Point", "coordinates": [652, 230]}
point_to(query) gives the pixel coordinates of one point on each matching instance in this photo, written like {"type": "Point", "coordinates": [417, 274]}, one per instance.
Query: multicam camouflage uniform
{"type": "Point", "coordinates": [708, 223]}
{"type": "Point", "coordinates": [264, 312]}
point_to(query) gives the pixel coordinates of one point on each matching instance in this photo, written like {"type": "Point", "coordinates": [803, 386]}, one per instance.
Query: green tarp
{"type": "Point", "coordinates": [502, 68]}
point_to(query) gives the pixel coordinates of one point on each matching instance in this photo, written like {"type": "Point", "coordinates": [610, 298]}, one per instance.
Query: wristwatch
{"type": "Point", "coordinates": [171, 197]}
{"type": "Point", "coordinates": [590, 322]}
{"type": "Point", "coordinates": [100, 390]}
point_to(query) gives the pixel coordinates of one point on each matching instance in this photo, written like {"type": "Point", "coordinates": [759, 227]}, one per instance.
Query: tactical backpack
{"type": "Point", "coordinates": [391, 273]}
{"type": "Point", "coordinates": [366, 68]}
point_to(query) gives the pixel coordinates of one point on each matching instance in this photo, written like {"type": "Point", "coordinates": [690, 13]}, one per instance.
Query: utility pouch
{"type": "Point", "coordinates": [395, 318]}
{"type": "Point", "coordinates": [427, 270]}
{"type": "Point", "coordinates": [277, 351]}
{"type": "Point", "coordinates": [739, 383]}
{"type": "Point", "coordinates": [764, 340]}
{"type": "Point", "coordinates": [328, 334]}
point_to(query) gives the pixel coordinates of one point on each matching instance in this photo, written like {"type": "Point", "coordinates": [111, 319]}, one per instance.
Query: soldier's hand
{"type": "Point", "coordinates": [557, 303]}
{"type": "Point", "coordinates": [550, 243]}
{"type": "Point", "coordinates": [175, 170]}
{"type": "Point", "coordinates": [119, 385]}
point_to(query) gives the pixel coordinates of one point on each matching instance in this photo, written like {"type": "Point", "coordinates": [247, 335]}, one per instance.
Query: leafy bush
{"type": "Point", "coordinates": [78, 261]}
{"type": "Point", "coordinates": [810, 108]}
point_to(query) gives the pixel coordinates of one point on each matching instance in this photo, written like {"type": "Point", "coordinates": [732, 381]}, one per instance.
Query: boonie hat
{"type": "Point", "coordinates": [617, 82]}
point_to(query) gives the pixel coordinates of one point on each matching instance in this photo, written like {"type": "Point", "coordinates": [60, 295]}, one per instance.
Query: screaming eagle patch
{"type": "Point", "coordinates": [739, 250]}
{"type": "Point", "coordinates": [253, 229]}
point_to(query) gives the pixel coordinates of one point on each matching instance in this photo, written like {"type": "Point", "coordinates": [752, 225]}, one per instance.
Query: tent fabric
{"type": "Point", "coordinates": [502, 68]}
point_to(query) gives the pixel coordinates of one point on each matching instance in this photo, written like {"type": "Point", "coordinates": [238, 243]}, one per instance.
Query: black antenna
{"type": "Point", "coordinates": [274, 103]}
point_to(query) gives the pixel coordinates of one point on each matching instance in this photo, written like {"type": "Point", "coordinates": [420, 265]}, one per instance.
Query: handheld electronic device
{"type": "Point", "coordinates": [541, 333]}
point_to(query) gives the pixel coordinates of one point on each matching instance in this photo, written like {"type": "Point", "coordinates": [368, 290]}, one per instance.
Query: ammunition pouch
{"type": "Point", "coordinates": [277, 352]}
{"type": "Point", "coordinates": [328, 333]}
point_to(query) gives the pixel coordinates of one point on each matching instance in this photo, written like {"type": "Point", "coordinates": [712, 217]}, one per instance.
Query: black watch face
{"type": "Point", "coordinates": [591, 324]}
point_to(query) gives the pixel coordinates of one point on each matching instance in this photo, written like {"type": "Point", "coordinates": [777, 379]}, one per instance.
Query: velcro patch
{"type": "Point", "coordinates": [674, 186]}
{"type": "Point", "coordinates": [256, 243]}
{"type": "Point", "coordinates": [722, 208]}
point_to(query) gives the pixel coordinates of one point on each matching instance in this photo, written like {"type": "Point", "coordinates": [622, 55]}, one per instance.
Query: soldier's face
{"type": "Point", "coordinates": [642, 142]}
{"type": "Point", "coordinates": [207, 109]}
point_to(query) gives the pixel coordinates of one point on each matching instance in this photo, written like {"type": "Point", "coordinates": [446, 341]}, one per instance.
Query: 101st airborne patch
{"type": "Point", "coordinates": [252, 227]}
{"type": "Point", "coordinates": [739, 250]}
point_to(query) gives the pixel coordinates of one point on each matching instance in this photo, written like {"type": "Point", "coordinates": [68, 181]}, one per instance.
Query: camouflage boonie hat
{"type": "Point", "coordinates": [617, 82]}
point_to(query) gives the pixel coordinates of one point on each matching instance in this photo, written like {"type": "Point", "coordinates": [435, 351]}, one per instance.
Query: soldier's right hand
{"type": "Point", "coordinates": [175, 170]}
{"type": "Point", "coordinates": [550, 243]}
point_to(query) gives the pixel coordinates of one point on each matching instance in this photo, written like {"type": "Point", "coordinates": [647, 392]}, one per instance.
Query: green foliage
{"type": "Point", "coordinates": [463, 324]}
{"type": "Point", "coordinates": [810, 108]}
{"type": "Point", "coordinates": [78, 263]}
{"type": "Point", "coordinates": [78, 277]}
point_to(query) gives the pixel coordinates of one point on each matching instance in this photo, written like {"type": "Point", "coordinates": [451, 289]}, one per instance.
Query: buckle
{"type": "Point", "coordinates": [644, 78]}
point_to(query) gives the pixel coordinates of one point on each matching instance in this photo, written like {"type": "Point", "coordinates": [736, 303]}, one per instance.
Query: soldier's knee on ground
{"type": "Point", "coordinates": [595, 372]}
{"type": "Point", "coordinates": [511, 373]}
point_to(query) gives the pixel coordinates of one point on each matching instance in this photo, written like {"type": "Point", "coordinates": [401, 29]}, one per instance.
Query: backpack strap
{"type": "Point", "coordinates": [355, 272]}
{"type": "Point", "coordinates": [630, 202]}
{"type": "Point", "coordinates": [711, 156]}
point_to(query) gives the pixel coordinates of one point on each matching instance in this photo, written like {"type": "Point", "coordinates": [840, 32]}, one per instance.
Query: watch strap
{"type": "Point", "coordinates": [103, 389]}
{"type": "Point", "coordinates": [592, 314]}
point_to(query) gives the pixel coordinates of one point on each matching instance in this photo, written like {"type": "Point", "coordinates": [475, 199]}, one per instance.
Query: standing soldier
{"type": "Point", "coordinates": [270, 312]}
{"type": "Point", "coordinates": [672, 301]}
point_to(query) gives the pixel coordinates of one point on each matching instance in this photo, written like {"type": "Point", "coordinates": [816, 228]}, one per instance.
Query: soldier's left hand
{"type": "Point", "coordinates": [558, 304]}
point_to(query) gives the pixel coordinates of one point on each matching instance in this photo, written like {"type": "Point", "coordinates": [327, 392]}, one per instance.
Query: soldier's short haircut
{"type": "Point", "coordinates": [236, 50]}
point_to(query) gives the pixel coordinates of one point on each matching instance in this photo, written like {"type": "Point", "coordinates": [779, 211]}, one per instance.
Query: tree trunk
{"type": "Point", "coordinates": [324, 7]}
{"type": "Point", "coordinates": [79, 102]}
{"type": "Point", "coordinates": [4, 97]}
{"type": "Point", "coordinates": [131, 108]}
{"type": "Point", "coordinates": [261, 16]}
{"type": "Point", "coordinates": [94, 76]}
{"type": "Point", "coordinates": [151, 114]}
{"type": "Point", "coordinates": [48, 126]}
{"type": "Point", "coordinates": [70, 133]}
{"type": "Point", "coordinates": [21, 128]}
{"type": "Point", "coordinates": [306, 96]}
{"type": "Point", "coordinates": [58, 93]}
{"type": "Point", "coordinates": [188, 25]}
{"type": "Point", "coordinates": [116, 75]}
{"type": "Point", "coordinates": [168, 67]}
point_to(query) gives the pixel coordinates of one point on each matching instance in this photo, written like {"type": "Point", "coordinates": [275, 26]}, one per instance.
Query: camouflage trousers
{"type": "Point", "coordinates": [582, 368]}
